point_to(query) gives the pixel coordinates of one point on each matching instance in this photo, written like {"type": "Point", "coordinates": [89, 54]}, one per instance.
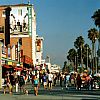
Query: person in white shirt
{"type": "Point", "coordinates": [50, 80]}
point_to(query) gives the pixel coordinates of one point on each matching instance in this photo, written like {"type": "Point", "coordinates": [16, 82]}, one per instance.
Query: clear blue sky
{"type": "Point", "coordinates": [60, 22]}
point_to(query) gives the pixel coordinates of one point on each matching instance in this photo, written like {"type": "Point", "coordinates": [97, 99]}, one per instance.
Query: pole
{"type": "Point", "coordinates": [95, 59]}
{"type": "Point", "coordinates": [81, 59]}
{"type": "Point", "coordinates": [87, 57]}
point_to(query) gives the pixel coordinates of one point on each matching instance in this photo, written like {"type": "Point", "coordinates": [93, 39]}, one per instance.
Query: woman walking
{"type": "Point", "coordinates": [36, 83]}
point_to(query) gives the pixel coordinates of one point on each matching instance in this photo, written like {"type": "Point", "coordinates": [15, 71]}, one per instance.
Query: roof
{"type": "Point", "coordinates": [16, 5]}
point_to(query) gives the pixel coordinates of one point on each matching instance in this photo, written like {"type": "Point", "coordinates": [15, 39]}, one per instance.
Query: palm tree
{"type": "Point", "coordinates": [79, 43]}
{"type": "Point", "coordinates": [96, 17]}
{"type": "Point", "coordinates": [93, 35]}
{"type": "Point", "coordinates": [72, 56]}
{"type": "Point", "coordinates": [86, 55]}
{"type": "Point", "coordinates": [65, 67]}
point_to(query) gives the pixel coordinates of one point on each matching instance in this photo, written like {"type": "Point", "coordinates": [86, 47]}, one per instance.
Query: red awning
{"type": "Point", "coordinates": [18, 68]}
{"type": "Point", "coordinates": [7, 66]}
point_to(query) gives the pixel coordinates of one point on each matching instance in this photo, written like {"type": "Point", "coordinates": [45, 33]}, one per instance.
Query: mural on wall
{"type": "Point", "coordinates": [19, 20]}
{"type": "Point", "coordinates": [38, 45]}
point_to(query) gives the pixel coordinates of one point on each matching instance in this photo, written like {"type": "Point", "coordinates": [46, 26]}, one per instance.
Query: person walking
{"type": "Point", "coordinates": [67, 76]}
{"type": "Point", "coordinates": [45, 81]}
{"type": "Point", "coordinates": [36, 84]}
{"type": "Point", "coordinates": [12, 80]}
{"type": "Point", "coordinates": [78, 82]}
{"type": "Point", "coordinates": [21, 83]}
{"type": "Point", "coordinates": [50, 80]}
{"type": "Point", "coordinates": [61, 79]}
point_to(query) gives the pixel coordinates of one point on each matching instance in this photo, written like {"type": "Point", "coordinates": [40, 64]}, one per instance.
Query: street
{"type": "Point", "coordinates": [57, 93]}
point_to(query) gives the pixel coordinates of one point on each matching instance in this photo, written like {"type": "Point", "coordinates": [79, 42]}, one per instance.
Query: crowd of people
{"type": "Point", "coordinates": [48, 80]}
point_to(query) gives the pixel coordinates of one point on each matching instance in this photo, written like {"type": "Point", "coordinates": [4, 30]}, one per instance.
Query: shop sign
{"type": "Point", "coordinates": [16, 52]}
{"type": "Point", "coordinates": [10, 63]}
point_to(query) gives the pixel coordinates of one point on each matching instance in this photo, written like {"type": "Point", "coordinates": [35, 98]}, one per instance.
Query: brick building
{"type": "Point", "coordinates": [17, 36]}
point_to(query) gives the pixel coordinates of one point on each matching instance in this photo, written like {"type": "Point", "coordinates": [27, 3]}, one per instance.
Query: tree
{"type": "Point", "coordinates": [72, 57]}
{"type": "Point", "coordinates": [86, 55]}
{"type": "Point", "coordinates": [96, 17]}
{"type": "Point", "coordinates": [93, 35]}
{"type": "Point", "coordinates": [79, 43]}
{"type": "Point", "coordinates": [64, 69]}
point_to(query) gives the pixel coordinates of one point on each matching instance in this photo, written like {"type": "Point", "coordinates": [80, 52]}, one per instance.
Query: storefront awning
{"type": "Point", "coordinates": [7, 66]}
{"type": "Point", "coordinates": [18, 68]}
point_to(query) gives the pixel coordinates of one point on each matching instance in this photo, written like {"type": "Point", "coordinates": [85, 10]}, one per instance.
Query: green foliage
{"type": "Point", "coordinates": [96, 17]}
{"type": "Point", "coordinates": [71, 54]}
{"type": "Point", "coordinates": [93, 34]}
{"type": "Point", "coordinates": [79, 42]}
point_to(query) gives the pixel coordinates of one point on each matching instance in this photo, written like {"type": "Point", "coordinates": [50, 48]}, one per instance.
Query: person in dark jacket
{"type": "Point", "coordinates": [78, 82]}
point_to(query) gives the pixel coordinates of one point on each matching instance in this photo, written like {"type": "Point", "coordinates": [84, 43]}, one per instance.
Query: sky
{"type": "Point", "coordinates": [60, 22]}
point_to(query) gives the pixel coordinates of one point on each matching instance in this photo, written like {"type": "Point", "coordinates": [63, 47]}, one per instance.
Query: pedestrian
{"type": "Point", "coordinates": [78, 82]}
{"type": "Point", "coordinates": [72, 80]}
{"type": "Point", "coordinates": [21, 82]}
{"type": "Point", "coordinates": [36, 84]}
{"type": "Point", "coordinates": [12, 80]}
{"type": "Point", "coordinates": [87, 82]}
{"type": "Point", "coordinates": [9, 85]}
{"type": "Point", "coordinates": [67, 76]}
{"type": "Point", "coordinates": [5, 85]}
{"type": "Point", "coordinates": [45, 81]}
{"type": "Point", "coordinates": [61, 79]}
{"type": "Point", "coordinates": [55, 79]}
{"type": "Point", "coordinates": [50, 80]}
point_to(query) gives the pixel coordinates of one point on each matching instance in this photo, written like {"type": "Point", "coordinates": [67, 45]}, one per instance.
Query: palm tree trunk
{"type": "Point", "coordinates": [99, 49]}
{"type": "Point", "coordinates": [93, 58]}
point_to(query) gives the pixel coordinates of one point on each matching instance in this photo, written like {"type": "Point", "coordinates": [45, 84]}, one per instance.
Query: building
{"type": "Point", "coordinates": [39, 50]}
{"type": "Point", "coordinates": [55, 68]}
{"type": "Point", "coordinates": [17, 36]}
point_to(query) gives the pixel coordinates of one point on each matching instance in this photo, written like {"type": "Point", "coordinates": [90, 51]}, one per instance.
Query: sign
{"type": "Point", "coordinates": [27, 59]}
{"type": "Point", "coordinates": [10, 63]}
{"type": "Point", "coordinates": [16, 52]}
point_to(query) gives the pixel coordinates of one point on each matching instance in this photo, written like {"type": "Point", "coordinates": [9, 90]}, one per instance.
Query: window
{"type": "Point", "coordinates": [1, 29]}
{"type": "Point", "coordinates": [20, 12]}
{"type": "Point", "coordinates": [3, 13]}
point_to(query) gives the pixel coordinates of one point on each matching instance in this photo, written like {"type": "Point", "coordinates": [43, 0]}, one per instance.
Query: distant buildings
{"type": "Point", "coordinates": [55, 68]}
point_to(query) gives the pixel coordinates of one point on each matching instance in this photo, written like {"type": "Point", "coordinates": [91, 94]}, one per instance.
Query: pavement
{"type": "Point", "coordinates": [57, 93]}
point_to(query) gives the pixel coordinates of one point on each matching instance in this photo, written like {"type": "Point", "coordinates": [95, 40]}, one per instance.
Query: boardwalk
{"type": "Point", "coordinates": [57, 93]}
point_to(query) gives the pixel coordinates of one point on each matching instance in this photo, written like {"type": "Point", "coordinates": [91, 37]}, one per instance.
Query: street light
{"type": "Point", "coordinates": [87, 57]}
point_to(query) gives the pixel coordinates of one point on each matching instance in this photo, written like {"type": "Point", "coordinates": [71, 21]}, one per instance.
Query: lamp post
{"type": "Point", "coordinates": [81, 59]}
{"type": "Point", "coordinates": [87, 57]}
{"type": "Point", "coordinates": [96, 58]}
